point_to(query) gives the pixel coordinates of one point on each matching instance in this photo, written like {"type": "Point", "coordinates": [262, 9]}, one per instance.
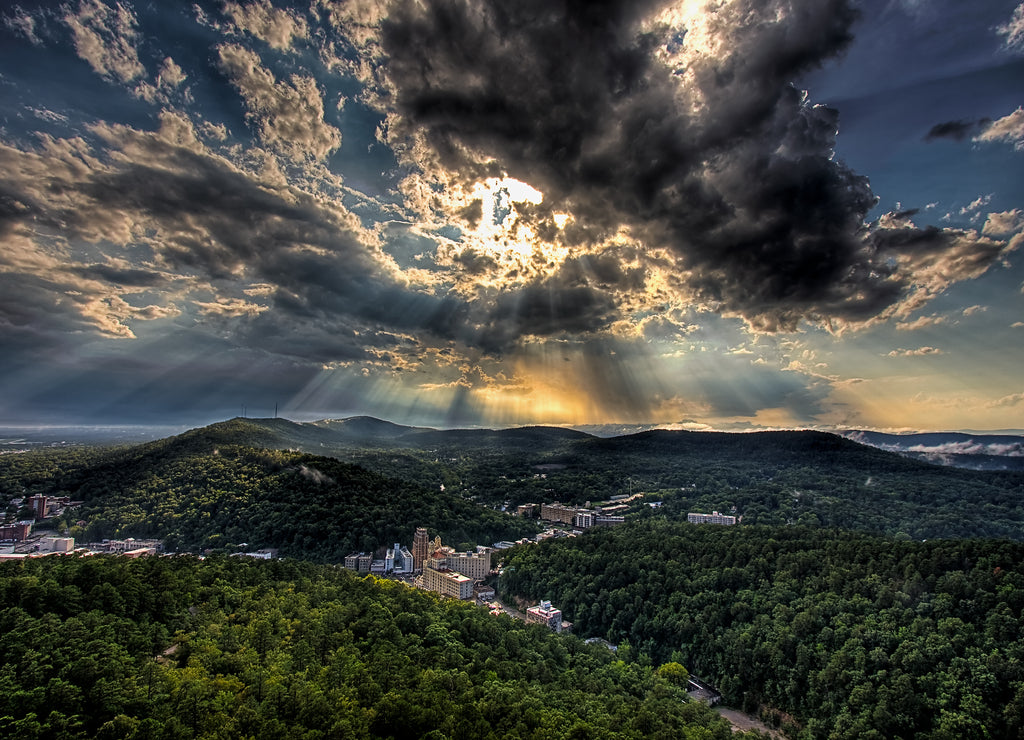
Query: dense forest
{"type": "Point", "coordinates": [240, 481]}
{"type": "Point", "coordinates": [197, 495]}
{"type": "Point", "coordinates": [853, 636]}
{"type": "Point", "coordinates": [773, 478]}
{"type": "Point", "coordinates": [824, 610]}
{"type": "Point", "coordinates": [178, 648]}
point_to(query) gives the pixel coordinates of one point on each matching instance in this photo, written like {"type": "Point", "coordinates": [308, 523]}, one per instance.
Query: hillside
{"type": "Point", "coordinates": [854, 636]}
{"type": "Point", "coordinates": [773, 478]}
{"type": "Point", "coordinates": [203, 490]}
{"type": "Point", "coordinates": [109, 647]}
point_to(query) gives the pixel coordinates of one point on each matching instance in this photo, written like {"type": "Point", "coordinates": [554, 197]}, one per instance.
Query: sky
{"type": "Point", "coordinates": [705, 214]}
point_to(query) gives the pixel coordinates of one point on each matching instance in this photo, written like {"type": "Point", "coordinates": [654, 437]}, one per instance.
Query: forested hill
{"type": "Point", "coordinates": [806, 477]}
{"type": "Point", "coordinates": [198, 491]}
{"type": "Point", "coordinates": [106, 647]}
{"type": "Point", "coordinates": [800, 477]}
{"type": "Point", "coordinates": [855, 636]}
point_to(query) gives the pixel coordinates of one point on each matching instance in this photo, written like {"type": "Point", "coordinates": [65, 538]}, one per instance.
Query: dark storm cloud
{"type": "Point", "coordinates": [123, 276]}
{"type": "Point", "coordinates": [723, 161]}
{"type": "Point", "coordinates": [474, 262]}
{"type": "Point", "coordinates": [326, 284]}
{"type": "Point", "coordinates": [548, 308]}
{"type": "Point", "coordinates": [956, 130]}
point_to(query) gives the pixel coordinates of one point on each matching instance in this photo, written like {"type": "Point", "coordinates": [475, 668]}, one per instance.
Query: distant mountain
{"type": "Point", "coordinates": [775, 478]}
{"type": "Point", "coordinates": [366, 427]}
{"type": "Point", "coordinates": [342, 437]}
{"type": "Point", "coordinates": [225, 484]}
{"type": "Point", "coordinates": [806, 477]}
{"type": "Point", "coordinates": [973, 451]}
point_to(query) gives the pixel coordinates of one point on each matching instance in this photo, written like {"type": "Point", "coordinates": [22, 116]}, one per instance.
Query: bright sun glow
{"type": "Point", "coordinates": [501, 235]}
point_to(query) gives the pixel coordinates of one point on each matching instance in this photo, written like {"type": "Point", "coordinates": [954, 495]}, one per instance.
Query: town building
{"type": "Point", "coordinates": [545, 614]}
{"type": "Point", "coordinates": [17, 532]}
{"type": "Point", "coordinates": [557, 512]}
{"type": "Point", "coordinates": [399, 560]}
{"type": "Point", "coordinates": [38, 504]}
{"type": "Point", "coordinates": [420, 544]}
{"type": "Point", "coordinates": [583, 519]}
{"type": "Point", "coordinates": [447, 582]}
{"type": "Point", "coordinates": [608, 521]}
{"type": "Point", "coordinates": [475, 565]}
{"type": "Point", "coordinates": [126, 545]}
{"type": "Point", "coordinates": [526, 510]}
{"type": "Point", "coordinates": [712, 518]}
{"type": "Point", "coordinates": [57, 544]}
{"type": "Point", "coordinates": [359, 562]}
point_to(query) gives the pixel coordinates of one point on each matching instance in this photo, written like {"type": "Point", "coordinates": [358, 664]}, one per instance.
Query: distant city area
{"type": "Point", "coordinates": [429, 564]}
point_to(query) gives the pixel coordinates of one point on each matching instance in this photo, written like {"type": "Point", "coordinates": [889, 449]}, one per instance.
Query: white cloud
{"type": "Point", "coordinates": [229, 307]}
{"type": "Point", "coordinates": [971, 310]}
{"type": "Point", "coordinates": [23, 23]}
{"type": "Point", "coordinates": [1004, 223]}
{"type": "Point", "coordinates": [919, 352]}
{"type": "Point", "coordinates": [1011, 400]}
{"type": "Point", "coordinates": [276, 27]}
{"type": "Point", "coordinates": [921, 323]}
{"type": "Point", "coordinates": [973, 447]}
{"type": "Point", "coordinates": [170, 74]}
{"type": "Point", "coordinates": [1008, 128]}
{"type": "Point", "coordinates": [48, 115]}
{"type": "Point", "coordinates": [105, 37]}
{"type": "Point", "coordinates": [289, 116]}
{"type": "Point", "coordinates": [977, 204]}
{"type": "Point", "coordinates": [1013, 30]}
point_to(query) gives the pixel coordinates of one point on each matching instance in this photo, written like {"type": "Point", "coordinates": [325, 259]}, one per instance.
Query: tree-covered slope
{"type": "Point", "coordinates": [230, 648]}
{"type": "Point", "coordinates": [808, 478]}
{"type": "Point", "coordinates": [856, 636]}
{"type": "Point", "coordinates": [196, 491]}
{"type": "Point", "coordinates": [812, 478]}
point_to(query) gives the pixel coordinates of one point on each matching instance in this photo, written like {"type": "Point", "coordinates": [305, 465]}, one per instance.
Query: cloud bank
{"type": "Point", "coordinates": [677, 129]}
{"type": "Point", "coordinates": [464, 197]}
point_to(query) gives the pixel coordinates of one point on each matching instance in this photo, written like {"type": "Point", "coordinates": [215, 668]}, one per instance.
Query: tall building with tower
{"type": "Point", "coordinates": [38, 504]}
{"type": "Point", "coordinates": [420, 543]}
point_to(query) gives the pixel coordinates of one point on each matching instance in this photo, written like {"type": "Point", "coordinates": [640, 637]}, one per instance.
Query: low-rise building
{"type": "Point", "coordinates": [545, 614]}
{"type": "Point", "coordinates": [608, 521]}
{"type": "Point", "coordinates": [584, 519]}
{"type": "Point", "coordinates": [557, 512]}
{"type": "Point", "coordinates": [264, 553]}
{"type": "Point", "coordinates": [57, 544]}
{"type": "Point", "coordinates": [359, 562]}
{"type": "Point", "coordinates": [526, 510]}
{"type": "Point", "coordinates": [712, 518]}
{"type": "Point", "coordinates": [447, 583]}
{"type": "Point", "coordinates": [17, 532]}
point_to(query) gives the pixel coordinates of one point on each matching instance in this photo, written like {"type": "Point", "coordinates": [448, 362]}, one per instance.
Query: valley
{"type": "Point", "coordinates": [860, 592]}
